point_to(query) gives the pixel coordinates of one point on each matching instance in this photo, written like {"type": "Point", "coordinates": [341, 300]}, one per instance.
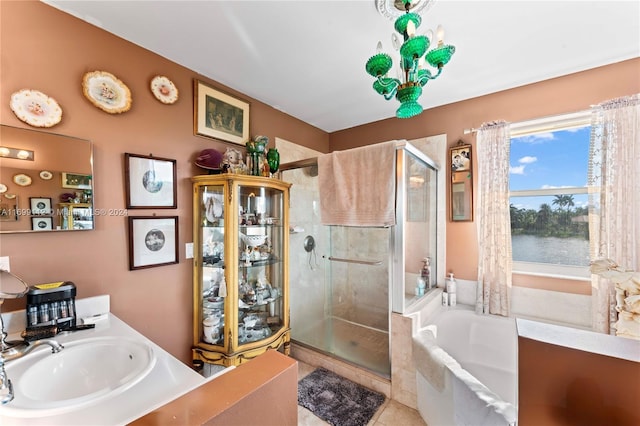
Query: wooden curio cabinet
{"type": "Point", "coordinates": [240, 276]}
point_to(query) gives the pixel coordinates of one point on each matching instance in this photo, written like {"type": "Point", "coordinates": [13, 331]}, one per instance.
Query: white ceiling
{"type": "Point", "coordinates": [307, 58]}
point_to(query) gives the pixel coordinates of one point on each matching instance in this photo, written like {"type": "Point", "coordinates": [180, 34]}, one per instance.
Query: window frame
{"type": "Point", "coordinates": [553, 123]}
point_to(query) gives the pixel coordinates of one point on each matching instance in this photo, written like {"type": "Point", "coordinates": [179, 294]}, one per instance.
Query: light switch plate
{"type": "Point", "coordinates": [4, 263]}
{"type": "Point", "coordinates": [188, 250]}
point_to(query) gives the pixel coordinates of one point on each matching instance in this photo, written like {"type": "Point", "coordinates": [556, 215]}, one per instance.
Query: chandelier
{"type": "Point", "coordinates": [413, 75]}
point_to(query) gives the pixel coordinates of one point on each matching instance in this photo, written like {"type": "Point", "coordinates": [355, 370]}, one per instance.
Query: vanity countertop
{"type": "Point", "coordinates": [168, 380]}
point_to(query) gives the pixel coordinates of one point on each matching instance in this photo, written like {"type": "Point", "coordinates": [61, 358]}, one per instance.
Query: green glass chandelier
{"type": "Point", "coordinates": [413, 53]}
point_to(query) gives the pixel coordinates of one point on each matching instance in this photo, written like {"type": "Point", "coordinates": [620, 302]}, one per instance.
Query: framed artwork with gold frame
{"type": "Point", "coordinates": [219, 115]}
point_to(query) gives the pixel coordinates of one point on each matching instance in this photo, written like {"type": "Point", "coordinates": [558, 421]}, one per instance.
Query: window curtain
{"type": "Point", "coordinates": [493, 219]}
{"type": "Point", "coordinates": [614, 210]}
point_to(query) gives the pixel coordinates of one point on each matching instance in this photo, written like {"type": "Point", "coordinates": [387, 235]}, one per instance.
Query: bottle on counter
{"type": "Point", "coordinates": [425, 272]}
{"type": "Point", "coordinates": [445, 299]}
{"type": "Point", "coordinates": [451, 289]}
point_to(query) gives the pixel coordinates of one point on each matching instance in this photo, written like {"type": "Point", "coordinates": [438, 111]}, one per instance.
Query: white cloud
{"type": "Point", "coordinates": [555, 187]}
{"type": "Point", "coordinates": [527, 160]}
{"type": "Point", "coordinates": [516, 170]}
{"type": "Point", "coordinates": [535, 139]}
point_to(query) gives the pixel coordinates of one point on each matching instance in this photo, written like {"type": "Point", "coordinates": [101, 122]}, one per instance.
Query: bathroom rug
{"type": "Point", "coordinates": [336, 400]}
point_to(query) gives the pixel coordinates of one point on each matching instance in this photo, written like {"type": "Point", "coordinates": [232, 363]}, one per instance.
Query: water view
{"type": "Point", "coordinates": [561, 251]}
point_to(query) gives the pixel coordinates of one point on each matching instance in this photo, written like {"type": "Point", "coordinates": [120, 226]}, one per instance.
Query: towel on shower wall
{"type": "Point", "coordinates": [358, 186]}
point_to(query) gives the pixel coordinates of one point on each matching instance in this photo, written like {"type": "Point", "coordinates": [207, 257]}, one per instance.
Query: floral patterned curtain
{"type": "Point", "coordinates": [493, 219]}
{"type": "Point", "coordinates": [614, 211]}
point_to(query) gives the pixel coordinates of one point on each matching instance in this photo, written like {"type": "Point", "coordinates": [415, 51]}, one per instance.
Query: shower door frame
{"type": "Point", "coordinates": [397, 276]}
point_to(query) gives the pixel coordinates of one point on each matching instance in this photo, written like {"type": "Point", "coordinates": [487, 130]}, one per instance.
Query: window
{"type": "Point", "coordinates": [548, 195]}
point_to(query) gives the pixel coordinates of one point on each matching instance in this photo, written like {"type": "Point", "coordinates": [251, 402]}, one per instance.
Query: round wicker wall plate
{"type": "Point", "coordinates": [35, 108]}
{"type": "Point", "coordinates": [164, 90]}
{"type": "Point", "coordinates": [106, 91]}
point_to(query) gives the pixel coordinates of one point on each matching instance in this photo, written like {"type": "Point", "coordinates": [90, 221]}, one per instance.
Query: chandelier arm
{"type": "Point", "coordinates": [391, 86]}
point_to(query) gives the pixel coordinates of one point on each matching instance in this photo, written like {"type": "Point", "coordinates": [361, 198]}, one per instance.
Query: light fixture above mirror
{"type": "Point", "coordinates": [16, 153]}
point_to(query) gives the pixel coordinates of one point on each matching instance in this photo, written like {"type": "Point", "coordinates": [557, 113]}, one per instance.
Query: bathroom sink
{"type": "Point", "coordinates": [85, 372]}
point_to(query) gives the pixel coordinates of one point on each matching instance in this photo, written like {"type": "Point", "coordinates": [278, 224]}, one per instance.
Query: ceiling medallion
{"type": "Point", "coordinates": [391, 9]}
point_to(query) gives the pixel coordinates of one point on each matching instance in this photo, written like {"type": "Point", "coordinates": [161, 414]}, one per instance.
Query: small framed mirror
{"type": "Point", "coordinates": [45, 182]}
{"type": "Point", "coordinates": [461, 183]}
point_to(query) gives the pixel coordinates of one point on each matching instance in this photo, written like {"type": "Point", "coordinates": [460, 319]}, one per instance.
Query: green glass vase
{"type": "Point", "coordinates": [273, 159]}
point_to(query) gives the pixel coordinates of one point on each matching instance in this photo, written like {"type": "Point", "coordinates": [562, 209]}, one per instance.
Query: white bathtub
{"type": "Point", "coordinates": [466, 369]}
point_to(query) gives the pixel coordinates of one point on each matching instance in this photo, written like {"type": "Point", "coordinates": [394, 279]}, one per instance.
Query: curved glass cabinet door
{"type": "Point", "coordinates": [241, 288]}
{"type": "Point", "coordinates": [211, 273]}
{"type": "Point", "coordinates": [260, 269]}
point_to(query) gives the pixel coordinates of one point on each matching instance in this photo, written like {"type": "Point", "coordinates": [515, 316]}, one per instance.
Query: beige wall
{"type": "Point", "coordinates": [571, 93]}
{"type": "Point", "coordinates": [47, 50]}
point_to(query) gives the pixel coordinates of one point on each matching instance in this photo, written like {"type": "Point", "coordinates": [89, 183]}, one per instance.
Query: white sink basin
{"type": "Point", "coordinates": [85, 372]}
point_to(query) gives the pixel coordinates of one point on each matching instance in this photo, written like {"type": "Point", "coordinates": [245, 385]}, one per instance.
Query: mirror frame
{"type": "Point", "coordinates": [22, 210]}
{"type": "Point", "coordinates": [461, 189]}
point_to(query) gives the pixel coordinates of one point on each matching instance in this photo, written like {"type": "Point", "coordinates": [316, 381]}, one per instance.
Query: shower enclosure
{"type": "Point", "coordinates": [346, 281]}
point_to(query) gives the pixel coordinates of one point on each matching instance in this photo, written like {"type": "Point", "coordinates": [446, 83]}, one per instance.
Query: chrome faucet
{"type": "Point", "coordinates": [9, 350]}
{"type": "Point", "coordinates": [6, 388]}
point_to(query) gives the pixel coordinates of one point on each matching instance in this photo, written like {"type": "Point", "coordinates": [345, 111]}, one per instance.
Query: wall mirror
{"type": "Point", "coordinates": [461, 183]}
{"type": "Point", "coordinates": [45, 182]}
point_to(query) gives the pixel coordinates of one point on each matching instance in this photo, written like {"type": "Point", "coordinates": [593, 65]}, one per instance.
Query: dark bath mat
{"type": "Point", "coordinates": [336, 400]}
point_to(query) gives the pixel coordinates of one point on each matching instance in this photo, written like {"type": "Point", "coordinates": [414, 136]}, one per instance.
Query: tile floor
{"type": "Point", "coordinates": [391, 413]}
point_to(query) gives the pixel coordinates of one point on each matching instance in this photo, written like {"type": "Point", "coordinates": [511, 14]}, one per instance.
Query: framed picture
{"type": "Point", "coordinates": [150, 182]}
{"type": "Point", "coordinates": [153, 241]}
{"type": "Point", "coordinates": [9, 210]}
{"type": "Point", "coordinates": [461, 195]}
{"type": "Point", "coordinates": [220, 116]}
{"type": "Point", "coordinates": [42, 223]}
{"type": "Point", "coordinates": [40, 206]}
{"type": "Point", "coordinates": [461, 158]}
{"type": "Point", "coordinates": [76, 181]}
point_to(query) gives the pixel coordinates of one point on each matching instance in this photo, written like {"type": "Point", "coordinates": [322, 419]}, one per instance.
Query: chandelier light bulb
{"type": "Point", "coordinates": [440, 35]}
{"type": "Point", "coordinates": [411, 28]}
{"type": "Point", "coordinates": [379, 47]}
{"type": "Point", "coordinates": [429, 35]}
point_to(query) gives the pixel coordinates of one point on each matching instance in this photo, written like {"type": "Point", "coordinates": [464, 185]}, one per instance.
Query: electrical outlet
{"type": "Point", "coordinates": [189, 250]}
{"type": "Point", "coordinates": [4, 263]}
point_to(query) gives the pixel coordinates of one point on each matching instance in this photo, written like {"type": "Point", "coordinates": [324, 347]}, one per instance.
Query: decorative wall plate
{"type": "Point", "coordinates": [164, 90]}
{"type": "Point", "coordinates": [46, 175]}
{"type": "Point", "coordinates": [22, 179]}
{"type": "Point", "coordinates": [106, 92]}
{"type": "Point", "coordinates": [10, 196]}
{"type": "Point", "coordinates": [3, 188]}
{"type": "Point", "coordinates": [35, 108]}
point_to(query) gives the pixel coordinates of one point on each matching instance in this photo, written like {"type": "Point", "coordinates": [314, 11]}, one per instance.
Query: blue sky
{"type": "Point", "coordinates": [549, 160]}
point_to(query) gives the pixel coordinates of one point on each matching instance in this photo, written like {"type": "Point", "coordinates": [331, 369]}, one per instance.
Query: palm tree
{"type": "Point", "coordinates": [544, 217]}
{"type": "Point", "coordinates": [562, 201]}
